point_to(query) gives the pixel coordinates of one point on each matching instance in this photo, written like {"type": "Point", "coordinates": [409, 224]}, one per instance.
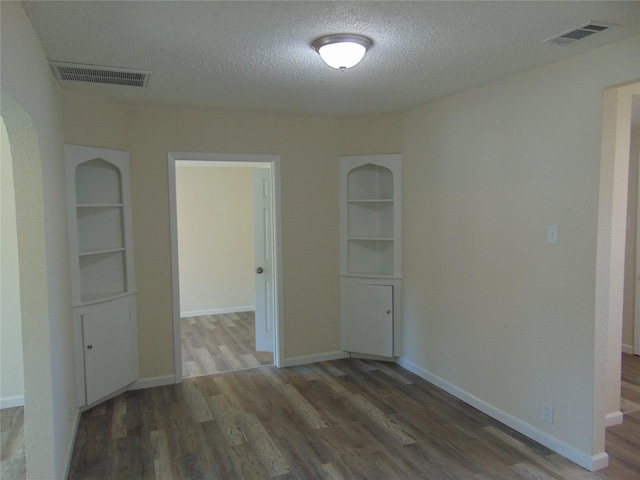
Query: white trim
{"type": "Point", "coordinates": [153, 382]}
{"type": "Point", "coordinates": [635, 348]}
{"type": "Point", "coordinates": [76, 423]}
{"type": "Point", "coordinates": [366, 356]}
{"type": "Point", "coordinates": [217, 311]}
{"type": "Point", "coordinates": [601, 460]}
{"type": "Point", "coordinates": [221, 164]}
{"type": "Point", "coordinates": [175, 275]}
{"type": "Point", "coordinates": [10, 402]}
{"type": "Point", "coordinates": [318, 357]}
{"type": "Point", "coordinates": [278, 265]}
{"type": "Point", "coordinates": [238, 160]}
{"type": "Point", "coordinates": [591, 463]}
{"type": "Point", "coordinates": [627, 348]}
{"type": "Point", "coordinates": [613, 418]}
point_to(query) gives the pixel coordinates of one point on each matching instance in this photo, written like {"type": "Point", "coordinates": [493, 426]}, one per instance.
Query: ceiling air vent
{"type": "Point", "coordinates": [578, 33]}
{"type": "Point", "coordinates": [78, 72]}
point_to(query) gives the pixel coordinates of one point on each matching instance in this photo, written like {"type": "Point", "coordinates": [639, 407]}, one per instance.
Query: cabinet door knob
{"type": "Point", "coordinates": [89, 346]}
{"type": "Point", "coordinates": [259, 270]}
{"type": "Point", "coordinates": [388, 311]}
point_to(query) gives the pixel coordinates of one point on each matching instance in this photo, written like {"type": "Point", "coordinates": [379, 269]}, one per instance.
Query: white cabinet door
{"type": "Point", "coordinates": [110, 358]}
{"type": "Point", "coordinates": [368, 312]}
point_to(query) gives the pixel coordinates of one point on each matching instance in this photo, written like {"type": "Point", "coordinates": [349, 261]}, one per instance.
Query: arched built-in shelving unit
{"type": "Point", "coordinates": [370, 253]}
{"type": "Point", "coordinates": [103, 291]}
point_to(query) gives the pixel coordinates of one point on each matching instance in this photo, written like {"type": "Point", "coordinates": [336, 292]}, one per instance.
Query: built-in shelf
{"type": "Point", "coordinates": [102, 275]}
{"type": "Point", "coordinates": [370, 182]}
{"type": "Point", "coordinates": [101, 246]}
{"type": "Point", "coordinates": [100, 252]}
{"type": "Point", "coordinates": [93, 298]}
{"type": "Point", "coordinates": [370, 255]}
{"type": "Point", "coordinates": [99, 205]}
{"type": "Point", "coordinates": [372, 239]}
{"type": "Point", "coordinates": [370, 216]}
{"type": "Point", "coordinates": [98, 182]}
{"type": "Point", "coordinates": [370, 250]}
{"type": "Point", "coordinates": [100, 229]}
{"type": "Point", "coordinates": [364, 200]}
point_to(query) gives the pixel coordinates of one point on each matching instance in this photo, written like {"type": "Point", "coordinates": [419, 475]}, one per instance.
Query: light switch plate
{"type": "Point", "coordinates": [552, 234]}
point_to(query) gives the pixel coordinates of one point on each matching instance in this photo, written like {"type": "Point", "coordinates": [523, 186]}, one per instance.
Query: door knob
{"type": "Point", "coordinates": [259, 270]}
{"type": "Point", "coordinates": [89, 346]}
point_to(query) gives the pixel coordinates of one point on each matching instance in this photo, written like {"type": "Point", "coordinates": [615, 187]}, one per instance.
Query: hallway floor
{"type": "Point", "coordinates": [220, 343]}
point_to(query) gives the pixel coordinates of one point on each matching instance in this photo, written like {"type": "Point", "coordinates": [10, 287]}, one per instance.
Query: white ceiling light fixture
{"type": "Point", "coordinates": [342, 51]}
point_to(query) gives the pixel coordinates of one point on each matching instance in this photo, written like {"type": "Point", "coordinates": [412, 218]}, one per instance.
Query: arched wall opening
{"type": "Point", "coordinates": [32, 268]}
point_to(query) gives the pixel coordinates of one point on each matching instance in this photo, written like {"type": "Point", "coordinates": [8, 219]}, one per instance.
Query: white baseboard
{"type": "Point", "coordinates": [217, 311]}
{"type": "Point", "coordinates": [318, 357]}
{"type": "Point", "coordinates": [627, 348]}
{"type": "Point", "coordinates": [152, 382]}
{"type": "Point", "coordinates": [590, 462]}
{"type": "Point", "coordinates": [10, 402]}
{"type": "Point", "coordinates": [366, 356]}
{"type": "Point", "coordinates": [613, 418]}
{"type": "Point", "coordinates": [598, 461]}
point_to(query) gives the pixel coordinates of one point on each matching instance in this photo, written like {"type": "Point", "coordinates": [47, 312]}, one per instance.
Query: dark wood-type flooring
{"type": "Point", "coordinates": [220, 343]}
{"type": "Point", "coordinates": [12, 453]}
{"type": "Point", "coordinates": [345, 419]}
{"type": "Point", "coordinates": [332, 420]}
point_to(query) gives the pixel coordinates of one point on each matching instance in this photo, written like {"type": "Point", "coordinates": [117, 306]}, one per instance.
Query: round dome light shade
{"type": "Point", "coordinates": [342, 51]}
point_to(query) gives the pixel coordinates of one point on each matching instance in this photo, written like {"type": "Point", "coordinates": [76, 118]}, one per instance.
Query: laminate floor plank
{"type": "Point", "coordinates": [264, 447]}
{"type": "Point", "coordinates": [214, 344]}
{"type": "Point", "coordinates": [630, 397]}
{"type": "Point", "coordinates": [11, 433]}
{"type": "Point", "coordinates": [304, 454]}
{"type": "Point", "coordinates": [302, 407]}
{"type": "Point", "coordinates": [249, 360]}
{"type": "Point", "coordinates": [161, 455]}
{"type": "Point", "coordinates": [330, 471]}
{"type": "Point", "coordinates": [630, 371]}
{"type": "Point", "coordinates": [226, 416]}
{"type": "Point", "coordinates": [13, 469]}
{"type": "Point", "coordinates": [530, 472]}
{"type": "Point", "coordinates": [12, 447]}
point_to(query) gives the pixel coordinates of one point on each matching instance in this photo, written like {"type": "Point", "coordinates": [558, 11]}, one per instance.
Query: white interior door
{"type": "Point", "coordinates": [369, 309]}
{"type": "Point", "coordinates": [264, 275]}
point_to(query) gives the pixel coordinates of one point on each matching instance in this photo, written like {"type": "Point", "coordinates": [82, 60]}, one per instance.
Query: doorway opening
{"type": "Point", "coordinates": [610, 259]}
{"type": "Point", "coordinates": [225, 235]}
{"type": "Point", "coordinates": [631, 322]}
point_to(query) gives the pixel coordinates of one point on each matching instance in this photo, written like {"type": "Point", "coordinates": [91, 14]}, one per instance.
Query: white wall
{"type": "Point", "coordinates": [11, 365]}
{"type": "Point", "coordinates": [32, 111]}
{"type": "Point", "coordinates": [490, 308]}
{"type": "Point", "coordinates": [215, 238]}
{"type": "Point", "coordinates": [371, 134]}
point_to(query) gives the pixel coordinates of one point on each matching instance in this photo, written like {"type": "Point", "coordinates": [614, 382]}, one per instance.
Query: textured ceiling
{"type": "Point", "coordinates": [257, 55]}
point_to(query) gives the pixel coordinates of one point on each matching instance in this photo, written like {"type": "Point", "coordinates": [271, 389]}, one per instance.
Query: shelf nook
{"type": "Point", "coordinates": [370, 254]}
{"type": "Point", "coordinates": [102, 275]}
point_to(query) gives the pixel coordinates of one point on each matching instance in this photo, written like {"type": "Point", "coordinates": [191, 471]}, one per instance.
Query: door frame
{"type": "Point", "coordinates": [238, 160]}
{"type": "Point", "coordinates": [610, 251]}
